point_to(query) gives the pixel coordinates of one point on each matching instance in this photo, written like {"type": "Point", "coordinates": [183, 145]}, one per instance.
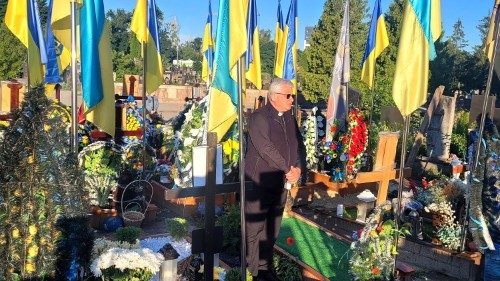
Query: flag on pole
{"type": "Point", "coordinates": [337, 99]}
{"type": "Point", "coordinates": [490, 40]}
{"type": "Point", "coordinates": [252, 55]}
{"type": "Point", "coordinates": [23, 19]}
{"type": "Point", "coordinates": [145, 26]}
{"type": "Point", "coordinates": [52, 73]}
{"type": "Point", "coordinates": [208, 47]}
{"type": "Point", "coordinates": [278, 36]}
{"type": "Point", "coordinates": [287, 50]}
{"type": "Point", "coordinates": [97, 68]}
{"type": "Point", "coordinates": [230, 45]}
{"type": "Point", "coordinates": [421, 28]}
{"type": "Point", "coordinates": [61, 28]}
{"type": "Point", "coordinates": [377, 41]}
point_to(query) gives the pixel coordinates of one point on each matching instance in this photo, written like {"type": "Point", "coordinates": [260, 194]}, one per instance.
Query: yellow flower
{"type": "Point", "coordinates": [158, 126]}
{"type": "Point", "coordinates": [43, 241]}
{"type": "Point", "coordinates": [15, 233]}
{"type": "Point", "coordinates": [18, 192]}
{"type": "Point", "coordinates": [28, 240]}
{"type": "Point", "coordinates": [373, 234]}
{"type": "Point", "coordinates": [32, 251]}
{"type": "Point", "coordinates": [85, 140]}
{"type": "Point", "coordinates": [46, 127]}
{"type": "Point", "coordinates": [227, 148]}
{"type": "Point", "coordinates": [33, 230]}
{"type": "Point", "coordinates": [29, 267]}
{"type": "Point", "coordinates": [31, 159]}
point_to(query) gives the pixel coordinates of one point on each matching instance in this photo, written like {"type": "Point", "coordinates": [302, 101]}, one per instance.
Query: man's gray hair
{"type": "Point", "coordinates": [277, 83]}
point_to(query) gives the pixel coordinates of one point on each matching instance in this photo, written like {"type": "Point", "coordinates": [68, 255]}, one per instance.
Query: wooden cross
{"type": "Point", "coordinates": [209, 239]}
{"type": "Point", "coordinates": [383, 169]}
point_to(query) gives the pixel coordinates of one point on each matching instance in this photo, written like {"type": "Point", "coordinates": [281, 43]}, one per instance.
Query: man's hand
{"type": "Point", "coordinates": [293, 175]}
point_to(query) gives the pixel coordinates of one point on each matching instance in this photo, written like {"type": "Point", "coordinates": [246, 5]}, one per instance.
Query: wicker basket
{"type": "Point", "coordinates": [132, 218]}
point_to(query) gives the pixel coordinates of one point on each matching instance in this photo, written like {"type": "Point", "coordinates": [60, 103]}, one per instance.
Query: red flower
{"type": "Point", "coordinates": [425, 184]}
{"type": "Point", "coordinates": [290, 241]}
{"type": "Point", "coordinates": [376, 270]}
{"type": "Point", "coordinates": [333, 129]}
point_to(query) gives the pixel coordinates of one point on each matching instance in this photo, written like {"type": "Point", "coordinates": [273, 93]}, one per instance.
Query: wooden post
{"type": "Point", "coordinates": [132, 80]}
{"type": "Point", "coordinates": [210, 207]}
{"type": "Point", "coordinates": [14, 87]}
{"type": "Point", "coordinates": [58, 92]}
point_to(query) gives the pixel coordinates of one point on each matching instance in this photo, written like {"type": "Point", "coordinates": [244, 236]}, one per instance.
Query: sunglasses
{"type": "Point", "coordinates": [288, 96]}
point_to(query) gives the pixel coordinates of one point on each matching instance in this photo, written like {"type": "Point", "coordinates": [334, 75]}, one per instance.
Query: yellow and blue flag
{"type": "Point", "coordinates": [421, 28]}
{"type": "Point", "coordinates": [490, 39]}
{"type": "Point", "coordinates": [52, 73]}
{"type": "Point", "coordinates": [287, 50]}
{"type": "Point", "coordinates": [230, 45]}
{"type": "Point", "coordinates": [61, 28]}
{"type": "Point", "coordinates": [97, 68]}
{"type": "Point", "coordinates": [252, 56]}
{"type": "Point", "coordinates": [278, 35]}
{"type": "Point", "coordinates": [207, 49]}
{"type": "Point", "coordinates": [23, 19]}
{"type": "Point", "coordinates": [377, 41]}
{"type": "Point", "coordinates": [145, 26]}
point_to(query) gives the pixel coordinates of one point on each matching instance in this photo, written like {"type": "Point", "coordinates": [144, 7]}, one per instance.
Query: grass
{"type": "Point", "coordinates": [315, 248]}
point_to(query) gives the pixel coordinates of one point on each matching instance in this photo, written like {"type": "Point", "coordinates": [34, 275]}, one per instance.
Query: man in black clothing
{"type": "Point", "coordinates": [273, 162]}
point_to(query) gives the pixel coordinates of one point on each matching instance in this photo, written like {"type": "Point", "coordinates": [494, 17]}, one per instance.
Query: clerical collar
{"type": "Point", "coordinates": [280, 113]}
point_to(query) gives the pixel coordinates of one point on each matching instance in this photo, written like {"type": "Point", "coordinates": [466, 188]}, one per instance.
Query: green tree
{"type": "Point", "coordinates": [324, 40]}
{"type": "Point", "coordinates": [126, 64]}
{"type": "Point", "coordinates": [267, 52]}
{"type": "Point", "coordinates": [120, 21]}
{"type": "Point", "coordinates": [13, 55]}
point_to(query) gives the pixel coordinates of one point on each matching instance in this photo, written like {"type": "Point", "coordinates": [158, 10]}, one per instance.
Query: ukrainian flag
{"type": "Point", "coordinates": [252, 57]}
{"type": "Point", "coordinates": [490, 40]}
{"type": "Point", "coordinates": [421, 28]}
{"type": "Point", "coordinates": [23, 19]}
{"type": "Point", "coordinates": [278, 35]}
{"type": "Point", "coordinates": [208, 47]}
{"type": "Point", "coordinates": [97, 68]}
{"type": "Point", "coordinates": [230, 45]}
{"type": "Point", "coordinates": [377, 41]}
{"type": "Point", "coordinates": [287, 50]}
{"type": "Point", "coordinates": [52, 74]}
{"type": "Point", "coordinates": [145, 26]}
{"type": "Point", "coordinates": [61, 27]}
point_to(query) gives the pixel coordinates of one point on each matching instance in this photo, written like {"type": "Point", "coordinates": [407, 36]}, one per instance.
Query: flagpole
{"type": "Point", "coordinates": [243, 265]}
{"type": "Point", "coordinates": [144, 119]}
{"type": "Point", "coordinates": [74, 106]}
{"type": "Point", "coordinates": [371, 108]}
{"type": "Point", "coordinates": [475, 162]}
{"type": "Point", "coordinates": [205, 127]}
{"type": "Point", "coordinates": [400, 186]}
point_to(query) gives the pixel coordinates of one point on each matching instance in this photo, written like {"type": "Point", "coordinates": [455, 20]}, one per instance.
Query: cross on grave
{"type": "Point", "coordinates": [207, 240]}
{"type": "Point", "coordinates": [383, 170]}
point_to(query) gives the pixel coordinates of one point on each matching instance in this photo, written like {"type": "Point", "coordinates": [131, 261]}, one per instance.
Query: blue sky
{"type": "Point", "coordinates": [191, 14]}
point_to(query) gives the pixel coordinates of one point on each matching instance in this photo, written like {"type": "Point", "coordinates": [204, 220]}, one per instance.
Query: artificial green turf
{"type": "Point", "coordinates": [315, 248]}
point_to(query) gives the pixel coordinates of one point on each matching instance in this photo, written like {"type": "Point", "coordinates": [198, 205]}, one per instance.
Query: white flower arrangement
{"type": "Point", "coordinates": [190, 134]}
{"type": "Point", "coordinates": [101, 245]}
{"type": "Point", "coordinates": [123, 259]}
{"type": "Point", "coordinates": [309, 133]}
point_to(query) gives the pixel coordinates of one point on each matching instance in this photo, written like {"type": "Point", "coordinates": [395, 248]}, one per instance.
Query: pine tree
{"type": "Point", "coordinates": [39, 182]}
{"type": "Point", "coordinates": [319, 57]}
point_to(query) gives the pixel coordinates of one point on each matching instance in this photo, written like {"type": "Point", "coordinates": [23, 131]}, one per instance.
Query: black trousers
{"type": "Point", "coordinates": [263, 212]}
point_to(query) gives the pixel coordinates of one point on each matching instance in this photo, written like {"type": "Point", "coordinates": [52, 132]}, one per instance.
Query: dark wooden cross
{"type": "Point", "coordinates": [14, 87]}
{"type": "Point", "coordinates": [207, 240]}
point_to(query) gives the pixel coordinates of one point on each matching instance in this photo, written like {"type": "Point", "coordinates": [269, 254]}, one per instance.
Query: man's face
{"type": "Point", "coordinates": [283, 100]}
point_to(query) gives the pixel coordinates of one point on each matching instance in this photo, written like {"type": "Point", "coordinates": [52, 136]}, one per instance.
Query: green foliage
{"type": "Point", "coordinates": [286, 269]}
{"type": "Point", "coordinates": [126, 63]}
{"type": "Point", "coordinates": [115, 274]}
{"type": "Point", "coordinates": [12, 55]}
{"type": "Point", "coordinates": [128, 234]}
{"type": "Point", "coordinates": [39, 181]}
{"type": "Point", "coordinates": [458, 144]}
{"type": "Point", "coordinates": [177, 227]}
{"type": "Point", "coordinates": [320, 58]}
{"type": "Point", "coordinates": [231, 229]}
{"type": "Point", "coordinates": [267, 51]}
{"type": "Point", "coordinates": [119, 21]}
{"type": "Point", "coordinates": [234, 274]}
